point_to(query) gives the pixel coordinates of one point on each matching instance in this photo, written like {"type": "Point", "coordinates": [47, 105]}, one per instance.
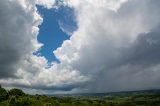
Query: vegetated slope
{"type": "Point", "coordinates": [16, 97]}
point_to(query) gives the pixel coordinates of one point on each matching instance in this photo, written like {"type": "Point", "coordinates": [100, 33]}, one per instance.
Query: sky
{"type": "Point", "coordinates": [51, 33]}
{"type": "Point", "coordinates": [79, 46]}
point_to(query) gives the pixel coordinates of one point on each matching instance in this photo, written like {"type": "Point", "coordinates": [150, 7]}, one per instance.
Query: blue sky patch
{"type": "Point", "coordinates": [57, 24]}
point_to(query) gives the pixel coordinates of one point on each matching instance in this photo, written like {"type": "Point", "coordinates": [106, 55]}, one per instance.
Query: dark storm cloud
{"type": "Point", "coordinates": [8, 58]}
{"type": "Point", "coordinates": [137, 68]}
{"type": "Point", "coordinates": [15, 36]}
{"type": "Point", "coordinates": [146, 49]}
{"type": "Point", "coordinates": [9, 55]}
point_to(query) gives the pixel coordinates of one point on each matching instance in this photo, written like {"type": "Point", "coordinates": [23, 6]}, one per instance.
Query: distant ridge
{"type": "Point", "coordinates": [153, 91]}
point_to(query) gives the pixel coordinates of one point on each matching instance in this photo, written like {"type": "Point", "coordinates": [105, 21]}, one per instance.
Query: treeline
{"type": "Point", "coordinates": [16, 97]}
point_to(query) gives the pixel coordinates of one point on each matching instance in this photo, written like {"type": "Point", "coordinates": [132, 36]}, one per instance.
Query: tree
{"type": "Point", "coordinates": [16, 92]}
{"type": "Point", "coordinates": [3, 94]}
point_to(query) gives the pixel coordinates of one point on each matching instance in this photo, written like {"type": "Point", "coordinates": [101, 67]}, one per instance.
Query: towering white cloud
{"type": "Point", "coordinates": [103, 46]}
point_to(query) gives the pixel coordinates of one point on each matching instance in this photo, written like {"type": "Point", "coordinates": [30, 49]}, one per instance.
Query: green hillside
{"type": "Point", "coordinates": [16, 97]}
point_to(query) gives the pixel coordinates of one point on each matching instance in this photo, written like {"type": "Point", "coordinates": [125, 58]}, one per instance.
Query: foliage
{"type": "Point", "coordinates": [16, 92]}
{"type": "Point", "coordinates": [3, 94]}
{"type": "Point", "coordinates": [16, 97]}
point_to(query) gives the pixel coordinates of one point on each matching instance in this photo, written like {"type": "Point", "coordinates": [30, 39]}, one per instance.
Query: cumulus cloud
{"type": "Point", "coordinates": [46, 3]}
{"type": "Point", "coordinates": [109, 44]}
{"type": "Point", "coordinates": [17, 23]}
{"type": "Point", "coordinates": [115, 46]}
{"type": "Point", "coordinates": [67, 23]}
{"type": "Point", "coordinates": [18, 40]}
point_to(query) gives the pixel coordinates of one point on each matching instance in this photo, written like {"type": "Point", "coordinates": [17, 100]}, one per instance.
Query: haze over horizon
{"type": "Point", "coordinates": [80, 46]}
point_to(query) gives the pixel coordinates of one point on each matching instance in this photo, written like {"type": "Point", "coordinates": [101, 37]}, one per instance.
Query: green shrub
{"type": "Point", "coordinates": [16, 92]}
{"type": "Point", "coordinates": [3, 94]}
